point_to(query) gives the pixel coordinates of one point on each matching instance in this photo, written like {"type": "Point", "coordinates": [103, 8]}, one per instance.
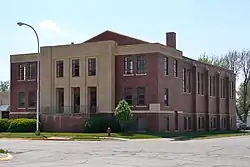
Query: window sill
{"type": "Point", "coordinates": [21, 108]}
{"type": "Point", "coordinates": [200, 95]}
{"type": "Point", "coordinates": [28, 108]}
{"type": "Point", "coordinates": [142, 106]}
{"type": "Point", "coordinates": [141, 74]}
{"type": "Point", "coordinates": [128, 75]}
{"type": "Point", "coordinates": [187, 93]}
{"type": "Point", "coordinates": [31, 108]}
{"type": "Point", "coordinates": [27, 80]}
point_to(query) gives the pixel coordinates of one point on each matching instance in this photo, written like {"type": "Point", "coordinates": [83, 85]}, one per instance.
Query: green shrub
{"type": "Point", "coordinates": [99, 124]}
{"type": "Point", "coordinates": [22, 125]}
{"type": "Point", "coordinates": [4, 125]}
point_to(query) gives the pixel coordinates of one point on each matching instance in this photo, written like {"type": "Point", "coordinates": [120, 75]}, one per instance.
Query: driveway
{"type": "Point", "coordinates": [223, 152]}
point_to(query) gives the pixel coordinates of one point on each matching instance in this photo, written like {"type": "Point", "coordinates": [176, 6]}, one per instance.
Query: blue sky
{"type": "Point", "coordinates": [211, 26]}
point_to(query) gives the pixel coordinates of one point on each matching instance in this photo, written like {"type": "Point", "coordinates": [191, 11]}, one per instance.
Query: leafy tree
{"type": "Point", "coordinates": [4, 86]}
{"type": "Point", "coordinates": [240, 100]}
{"type": "Point", "coordinates": [123, 114]}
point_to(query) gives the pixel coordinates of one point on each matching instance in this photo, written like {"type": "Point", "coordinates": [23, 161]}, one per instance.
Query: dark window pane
{"type": "Point", "coordinates": [175, 68]}
{"type": "Point", "coordinates": [32, 99]}
{"type": "Point", "coordinates": [21, 99]}
{"type": "Point", "coordinates": [166, 97]}
{"type": "Point", "coordinates": [140, 96]}
{"type": "Point", "coordinates": [91, 66]}
{"type": "Point", "coordinates": [128, 65]}
{"type": "Point", "coordinates": [75, 68]}
{"type": "Point", "coordinates": [31, 72]}
{"type": "Point", "coordinates": [185, 123]}
{"type": "Point", "coordinates": [59, 68]}
{"type": "Point", "coordinates": [141, 65]}
{"type": "Point", "coordinates": [166, 65]}
{"type": "Point", "coordinates": [128, 96]}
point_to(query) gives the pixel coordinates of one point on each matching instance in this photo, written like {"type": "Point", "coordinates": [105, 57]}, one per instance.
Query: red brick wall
{"type": "Point", "coordinates": [149, 81]}
{"type": "Point", "coordinates": [62, 123]}
{"type": "Point", "coordinates": [19, 86]}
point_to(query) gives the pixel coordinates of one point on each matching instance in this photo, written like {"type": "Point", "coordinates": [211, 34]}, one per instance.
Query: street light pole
{"type": "Point", "coordinates": [38, 77]}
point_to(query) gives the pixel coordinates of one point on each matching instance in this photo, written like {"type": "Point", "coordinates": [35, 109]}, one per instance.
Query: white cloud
{"type": "Point", "coordinates": [51, 27]}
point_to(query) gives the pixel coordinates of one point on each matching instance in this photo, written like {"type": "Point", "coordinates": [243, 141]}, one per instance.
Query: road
{"type": "Point", "coordinates": [224, 152]}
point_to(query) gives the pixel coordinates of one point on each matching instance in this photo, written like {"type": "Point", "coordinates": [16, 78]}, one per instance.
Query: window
{"type": "Point", "coordinates": [176, 116]}
{"type": "Point", "coordinates": [225, 123]}
{"type": "Point", "coordinates": [189, 123]}
{"type": "Point", "coordinates": [214, 122]}
{"type": "Point", "coordinates": [214, 86]}
{"type": "Point", "coordinates": [32, 99]}
{"type": "Point", "coordinates": [211, 123]}
{"type": "Point", "coordinates": [223, 88]}
{"type": "Point", "coordinates": [21, 100]}
{"type": "Point", "coordinates": [59, 68]}
{"type": "Point", "coordinates": [198, 84]}
{"type": "Point", "coordinates": [141, 69]}
{"type": "Point", "coordinates": [75, 68]}
{"type": "Point", "coordinates": [202, 83]}
{"type": "Point", "coordinates": [203, 123]}
{"type": "Point", "coordinates": [128, 96]}
{"type": "Point", "coordinates": [128, 65]}
{"type": "Point", "coordinates": [175, 68]}
{"type": "Point", "coordinates": [166, 97]}
{"type": "Point", "coordinates": [166, 65]}
{"type": "Point", "coordinates": [189, 81]}
{"type": "Point", "coordinates": [199, 123]}
{"type": "Point", "coordinates": [185, 123]}
{"type": "Point", "coordinates": [167, 123]}
{"type": "Point", "coordinates": [231, 90]}
{"type": "Point", "coordinates": [91, 66]}
{"type": "Point", "coordinates": [184, 79]}
{"type": "Point", "coordinates": [31, 72]}
{"type": "Point", "coordinates": [210, 85]}
{"type": "Point", "coordinates": [140, 96]}
{"type": "Point", "coordinates": [22, 72]}
{"type": "Point", "coordinates": [60, 99]}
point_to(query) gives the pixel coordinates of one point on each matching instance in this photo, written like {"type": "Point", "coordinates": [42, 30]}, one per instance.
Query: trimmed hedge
{"type": "Point", "coordinates": [4, 125]}
{"type": "Point", "coordinates": [99, 124]}
{"type": "Point", "coordinates": [17, 125]}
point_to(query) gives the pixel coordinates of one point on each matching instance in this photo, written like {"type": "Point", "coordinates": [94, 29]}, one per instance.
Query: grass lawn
{"type": "Point", "coordinates": [99, 136]}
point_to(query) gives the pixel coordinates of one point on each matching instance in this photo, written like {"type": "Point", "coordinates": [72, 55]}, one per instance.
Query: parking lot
{"type": "Point", "coordinates": [223, 152]}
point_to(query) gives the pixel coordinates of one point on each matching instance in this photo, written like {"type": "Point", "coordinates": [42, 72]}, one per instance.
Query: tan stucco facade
{"type": "Point", "coordinates": [104, 81]}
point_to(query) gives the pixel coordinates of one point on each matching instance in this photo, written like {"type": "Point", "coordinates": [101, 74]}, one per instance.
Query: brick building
{"type": "Point", "coordinates": [166, 91]}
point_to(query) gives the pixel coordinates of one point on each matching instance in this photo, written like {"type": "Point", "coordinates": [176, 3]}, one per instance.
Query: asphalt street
{"type": "Point", "coordinates": [223, 152]}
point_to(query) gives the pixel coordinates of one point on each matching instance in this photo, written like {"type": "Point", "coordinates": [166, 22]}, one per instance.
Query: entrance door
{"type": "Point", "coordinates": [92, 99]}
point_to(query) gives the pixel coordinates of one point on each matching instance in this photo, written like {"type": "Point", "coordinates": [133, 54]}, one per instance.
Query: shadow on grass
{"type": "Point", "coordinates": [183, 136]}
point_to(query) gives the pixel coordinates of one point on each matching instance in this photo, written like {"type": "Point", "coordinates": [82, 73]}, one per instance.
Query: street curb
{"type": "Point", "coordinates": [9, 156]}
{"type": "Point", "coordinates": [114, 138]}
{"type": "Point", "coordinates": [68, 139]}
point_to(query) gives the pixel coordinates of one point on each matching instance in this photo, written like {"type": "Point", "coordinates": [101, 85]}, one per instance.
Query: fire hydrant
{"type": "Point", "coordinates": [109, 131]}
